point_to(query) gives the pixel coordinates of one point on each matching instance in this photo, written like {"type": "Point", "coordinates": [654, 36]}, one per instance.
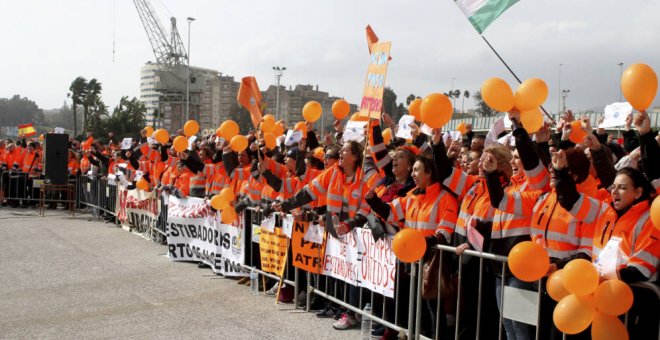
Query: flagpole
{"type": "Point", "coordinates": [513, 73]}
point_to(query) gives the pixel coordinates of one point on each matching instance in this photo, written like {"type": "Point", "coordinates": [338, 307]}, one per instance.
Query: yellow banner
{"type": "Point", "coordinates": [273, 250]}
{"type": "Point", "coordinates": [374, 85]}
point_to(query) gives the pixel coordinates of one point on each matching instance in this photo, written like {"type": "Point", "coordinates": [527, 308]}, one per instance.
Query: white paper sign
{"type": "Point", "coordinates": [405, 131]}
{"type": "Point", "coordinates": [269, 223]}
{"type": "Point", "coordinates": [616, 114]}
{"type": "Point", "coordinates": [126, 143]}
{"type": "Point", "coordinates": [292, 137]}
{"type": "Point", "coordinates": [191, 142]}
{"type": "Point", "coordinates": [427, 130]}
{"type": "Point", "coordinates": [314, 234]}
{"type": "Point", "coordinates": [138, 175]}
{"type": "Point", "coordinates": [112, 179]}
{"type": "Point", "coordinates": [58, 130]}
{"type": "Point", "coordinates": [151, 140]}
{"type": "Point", "coordinates": [507, 122]}
{"type": "Point", "coordinates": [495, 130]}
{"type": "Point", "coordinates": [507, 140]}
{"type": "Point", "coordinates": [610, 258]}
{"type": "Point", "coordinates": [354, 131]}
{"type": "Point", "coordinates": [287, 225]}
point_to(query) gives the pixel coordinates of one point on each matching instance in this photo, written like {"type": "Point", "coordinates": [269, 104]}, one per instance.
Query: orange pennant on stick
{"type": "Point", "coordinates": [249, 97]}
{"type": "Point", "coordinates": [372, 38]}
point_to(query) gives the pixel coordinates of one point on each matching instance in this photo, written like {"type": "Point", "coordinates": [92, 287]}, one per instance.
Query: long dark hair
{"type": "Point", "coordinates": [429, 167]}
{"type": "Point", "coordinates": [358, 150]}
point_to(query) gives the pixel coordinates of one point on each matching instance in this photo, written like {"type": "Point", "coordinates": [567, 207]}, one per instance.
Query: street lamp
{"type": "Point", "coordinates": [279, 71]}
{"type": "Point", "coordinates": [620, 76]}
{"type": "Point", "coordinates": [564, 94]}
{"type": "Point", "coordinates": [451, 95]}
{"type": "Point", "coordinates": [559, 91]}
{"type": "Point", "coordinates": [190, 20]}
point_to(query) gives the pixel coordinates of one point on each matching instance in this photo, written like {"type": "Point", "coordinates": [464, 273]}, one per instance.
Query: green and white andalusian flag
{"type": "Point", "coordinates": [482, 13]}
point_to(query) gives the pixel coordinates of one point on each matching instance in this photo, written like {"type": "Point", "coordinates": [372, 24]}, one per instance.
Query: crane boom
{"type": "Point", "coordinates": [166, 52]}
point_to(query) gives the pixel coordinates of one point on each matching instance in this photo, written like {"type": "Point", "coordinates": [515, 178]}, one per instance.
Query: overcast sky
{"type": "Point", "coordinates": [47, 44]}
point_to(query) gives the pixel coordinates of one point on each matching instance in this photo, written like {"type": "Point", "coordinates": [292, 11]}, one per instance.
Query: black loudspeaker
{"type": "Point", "coordinates": [56, 156]}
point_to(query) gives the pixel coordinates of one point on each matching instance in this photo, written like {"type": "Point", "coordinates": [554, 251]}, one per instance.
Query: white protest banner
{"type": "Point", "coordinates": [405, 131]}
{"type": "Point", "coordinates": [194, 233]}
{"type": "Point", "coordinates": [354, 130]}
{"type": "Point", "coordinates": [377, 271]}
{"type": "Point", "coordinates": [358, 259]}
{"type": "Point", "coordinates": [615, 115]}
{"type": "Point", "coordinates": [292, 137]}
{"type": "Point", "coordinates": [137, 209]}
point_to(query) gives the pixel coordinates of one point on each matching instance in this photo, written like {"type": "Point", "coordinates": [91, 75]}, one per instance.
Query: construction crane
{"type": "Point", "coordinates": [172, 78]}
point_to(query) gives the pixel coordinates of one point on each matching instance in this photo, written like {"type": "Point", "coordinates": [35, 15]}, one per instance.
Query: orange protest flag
{"type": "Point", "coordinates": [372, 38]}
{"type": "Point", "coordinates": [249, 97]}
{"type": "Point", "coordinates": [86, 145]}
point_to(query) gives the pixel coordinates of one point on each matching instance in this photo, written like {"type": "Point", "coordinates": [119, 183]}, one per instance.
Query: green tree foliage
{"type": "Point", "coordinates": [19, 110]}
{"type": "Point", "coordinates": [482, 108]}
{"type": "Point", "coordinates": [77, 93]}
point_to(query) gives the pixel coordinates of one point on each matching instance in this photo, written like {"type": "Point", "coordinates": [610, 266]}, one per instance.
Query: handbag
{"type": "Point", "coordinates": [430, 284]}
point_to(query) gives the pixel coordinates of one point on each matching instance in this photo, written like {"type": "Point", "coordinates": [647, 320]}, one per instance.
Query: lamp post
{"type": "Point", "coordinates": [190, 20]}
{"type": "Point", "coordinates": [451, 94]}
{"type": "Point", "coordinates": [279, 71]}
{"type": "Point", "coordinates": [620, 76]}
{"type": "Point", "coordinates": [559, 91]}
{"type": "Point", "coordinates": [564, 94]}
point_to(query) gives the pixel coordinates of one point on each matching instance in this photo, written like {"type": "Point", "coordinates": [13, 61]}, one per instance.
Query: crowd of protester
{"type": "Point", "coordinates": [571, 198]}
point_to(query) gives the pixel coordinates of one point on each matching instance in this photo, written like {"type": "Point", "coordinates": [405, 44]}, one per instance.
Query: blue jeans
{"type": "Point", "coordinates": [514, 330]}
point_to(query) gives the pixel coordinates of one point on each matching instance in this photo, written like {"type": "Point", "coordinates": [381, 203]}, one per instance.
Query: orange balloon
{"type": "Point", "coordinates": [613, 297]}
{"type": "Point", "coordinates": [639, 85]}
{"type": "Point", "coordinates": [655, 213]}
{"type": "Point", "coordinates": [607, 327]}
{"type": "Point", "coordinates": [461, 128]}
{"type": "Point", "coordinates": [413, 109]}
{"type": "Point", "coordinates": [312, 111]}
{"type": "Point", "coordinates": [573, 314]}
{"type": "Point", "coordinates": [555, 287]}
{"type": "Point", "coordinates": [530, 94]}
{"type": "Point", "coordinates": [142, 184]}
{"type": "Point", "coordinates": [341, 109]}
{"type": "Point", "coordinates": [279, 129]}
{"type": "Point", "coordinates": [436, 110]}
{"type": "Point", "coordinates": [218, 203]}
{"type": "Point", "coordinates": [268, 123]}
{"type": "Point", "coordinates": [269, 140]}
{"type": "Point", "coordinates": [180, 144]}
{"type": "Point", "coordinates": [228, 215]}
{"type": "Point", "coordinates": [41, 137]}
{"type": "Point", "coordinates": [580, 277]}
{"type": "Point", "coordinates": [302, 127]}
{"type": "Point", "coordinates": [528, 261]}
{"type": "Point", "coordinates": [409, 245]}
{"type": "Point", "coordinates": [577, 133]}
{"type": "Point", "coordinates": [357, 118]}
{"type": "Point", "coordinates": [387, 136]}
{"type": "Point", "coordinates": [497, 94]}
{"type": "Point", "coordinates": [228, 195]}
{"type": "Point", "coordinates": [228, 129]}
{"type": "Point", "coordinates": [149, 130]}
{"type": "Point", "coordinates": [532, 120]}
{"type": "Point", "coordinates": [161, 136]}
{"type": "Point", "coordinates": [238, 143]}
{"type": "Point", "coordinates": [190, 128]}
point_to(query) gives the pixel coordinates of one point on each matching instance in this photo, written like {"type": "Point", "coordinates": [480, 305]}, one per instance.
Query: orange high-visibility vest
{"type": "Point", "coordinates": [73, 166]}
{"type": "Point", "coordinates": [31, 163]}
{"type": "Point", "coordinates": [434, 210]}
{"type": "Point", "coordinates": [182, 181]}
{"type": "Point", "coordinates": [475, 201]}
{"type": "Point", "coordinates": [639, 238]}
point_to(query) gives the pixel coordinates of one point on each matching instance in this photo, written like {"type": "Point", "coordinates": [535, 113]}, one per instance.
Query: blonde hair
{"type": "Point", "coordinates": [503, 157]}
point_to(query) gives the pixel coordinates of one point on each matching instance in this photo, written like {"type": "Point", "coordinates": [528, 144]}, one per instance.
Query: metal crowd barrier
{"type": "Point", "coordinates": [18, 188]}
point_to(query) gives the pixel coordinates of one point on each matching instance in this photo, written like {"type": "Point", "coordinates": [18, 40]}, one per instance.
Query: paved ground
{"type": "Point", "coordinates": [66, 277]}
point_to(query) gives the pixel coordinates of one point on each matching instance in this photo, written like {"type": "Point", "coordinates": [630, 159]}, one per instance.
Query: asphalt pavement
{"type": "Point", "coordinates": [65, 277]}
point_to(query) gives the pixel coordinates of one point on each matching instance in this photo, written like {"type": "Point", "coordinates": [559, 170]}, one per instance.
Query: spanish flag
{"type": "Point", "coordinates": [249, 97]}
{"type": "Point", "coordinates": [26, 130]}
{"type": "Point", "coordinates": [372, 38]}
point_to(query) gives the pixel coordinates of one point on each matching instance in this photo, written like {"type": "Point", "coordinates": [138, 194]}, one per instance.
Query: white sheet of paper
{"type": "Point", "coordinates": [269, 223]}
{"type": "Point", "coordinates": [495, 130]}
{"type": "Point", "coordinates": [354, 131]}
{"type": "Point", "coordinates": [112, 180]}
{"type": "Point", "coordinates": [138, 175]}
{"type": "Point", "coordinates": [609, 259]}
{"type": "Point", "coordinates": [287, 225]}
{"type": "Point", "coordinates": [475, 238]}
{"type": "Point", "coordinates": [615, 115]}
{"type": "Point", "coordinates": [126, 143]}
{"type": "Point", "coordinates": [427, 130]}
{"type": "Point", "coordinates": [292, 137]}
{"type": "Point", "coordinates": [507, 122]}
{"type": "Point", "coordinates": [191, 142]}
{"type": "Point", "coordinates": [151, 140]}
{"type": "Point", "coordinates": [58, 130]}
{"type": "Point", "coordinates": [405, 131]}
{"type": "Point", "coordinates": [314, 234]}
{"type": "Point", "coordinates": [507, 140]}
{"type": "Point", "coordinates": [455, 136]}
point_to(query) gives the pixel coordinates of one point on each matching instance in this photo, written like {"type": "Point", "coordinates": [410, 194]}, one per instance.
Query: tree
{"type": "Point", "coordinates": [19, 110]}
{"type": "Point", "coordinates": [389, 103]}
{"type": "Point", "coordinates": [242, 117]}
{"type": "Point", "coordinates": [77, 94]}
{"type": "Point", "coordinates": [92, 95]}
{"type": "Point", "coordinates": [482, 108]}
{"type": "Point", "coordinates": [466, 94]}
{"type": "Point", "coordinates": [410, 98]}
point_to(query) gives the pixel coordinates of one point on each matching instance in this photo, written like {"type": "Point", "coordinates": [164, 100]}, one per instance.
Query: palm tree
{"type": "Point", "coordinates": [78, 90]}
{"type": "Point", "coordinates": [93, 93]}
{"type": "Point", "coordinates": [466, 94]}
